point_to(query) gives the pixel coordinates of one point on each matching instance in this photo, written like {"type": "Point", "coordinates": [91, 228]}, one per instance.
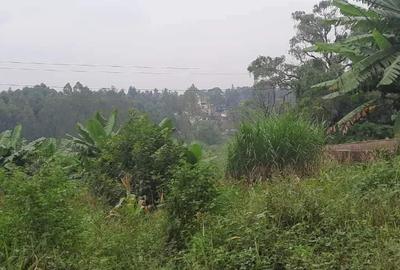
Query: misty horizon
{"type": "Point", "coordinates": [146, 44]}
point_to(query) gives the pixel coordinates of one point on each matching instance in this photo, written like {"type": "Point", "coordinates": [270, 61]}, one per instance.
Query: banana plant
{"type": "Point", "coordinates": [15, 150]}
{"type": "Point", "coordinates": [9, 141]}
{"type": "Point", "coordinates": [194, 153]}
{"type": "Point", "coordinates": [373, 53]}
{"type": "Point", "coordinates": [96, 131]}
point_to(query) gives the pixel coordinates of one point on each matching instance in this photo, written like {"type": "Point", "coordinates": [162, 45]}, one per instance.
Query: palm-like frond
{"type": "Point", "coordinates": [94, 133]}
{"type": "Point", "coordinates": [111, 123]}
{"type": "Point", "coordinates": [351, 10]}
{"type": "Point", "coordinates": [392, 73]}
{"type": "Point", "coordinates": [374, 53]}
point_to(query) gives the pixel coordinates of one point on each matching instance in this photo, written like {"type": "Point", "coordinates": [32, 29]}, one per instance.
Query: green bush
{"type": "Point", "coordinates": [192, 194]}
{"type": "Point", "coordinates": [274, 144]}
{"type": "Point", "coordinates": [39, 226]}
{"type": "Point", "coordinates": [143, 151]}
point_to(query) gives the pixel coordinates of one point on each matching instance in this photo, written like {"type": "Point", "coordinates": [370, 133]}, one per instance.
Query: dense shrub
{"type": "Point", "coordinates": [192, 194]}
{"type": "Point", "coordinates": [276, 143]}
{"type": "Point", "coordinates": [143, 151]}
{"type": "Point", "coordinates": [39, 226]}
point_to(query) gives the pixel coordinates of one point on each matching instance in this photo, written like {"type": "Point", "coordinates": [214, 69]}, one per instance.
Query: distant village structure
{"type": "Point", "coordinates": [221, 112]}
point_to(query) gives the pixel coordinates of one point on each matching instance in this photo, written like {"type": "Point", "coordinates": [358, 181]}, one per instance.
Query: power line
{"type": "Point", "coordinates": [124, 72]}
{"type": "Point", "coordinates": [95, 65]}
{"type": "Point", "coordinates": [81, 71]}
{"type": "Point", "coordinates": [170, 68]}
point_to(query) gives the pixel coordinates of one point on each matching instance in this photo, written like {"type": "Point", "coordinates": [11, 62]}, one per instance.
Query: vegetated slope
{"type": "Point", "coordinates": [345, 218]}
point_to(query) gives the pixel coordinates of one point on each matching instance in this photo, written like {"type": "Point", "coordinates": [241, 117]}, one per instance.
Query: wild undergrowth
{"type": "Point", "coordinates": [345, 218]}
{"type": "Point", "coordinates": [340, 217]}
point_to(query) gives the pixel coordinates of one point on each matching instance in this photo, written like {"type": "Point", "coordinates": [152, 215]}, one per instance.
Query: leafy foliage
{"type": "Point", "coordinates": [93, 135]}
{"type": "Point", "coordinates": [346, 218]}
{"type": "Point", "coordinates": [373, 49]}
{"type": "Point", "coordinates": [15, 151]}
{"type": "Point", "coordinates": [276, 143]}
{"type": "Point", "coordinates": [144, 151]}
{"type": "Point", "coordinates": [192, 194]}
{"type": "Point", "coordinates": [38, 222]}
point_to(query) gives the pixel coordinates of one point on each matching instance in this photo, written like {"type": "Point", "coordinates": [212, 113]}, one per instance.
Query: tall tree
{"type": "Point", "coordinates": [313, 28]}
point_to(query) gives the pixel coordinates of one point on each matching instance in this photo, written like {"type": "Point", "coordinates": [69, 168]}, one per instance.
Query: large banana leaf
{"type": "Point", "coordinates": [10, 140]}
{"type": "Point", "coordinates": [84, 134]}
{"type": "Point", "coordinates": [16, 136]}
{"type": "Point", "coordinates": [194, 153]}
{"type": "Point", "coordinates": [24, 150]}
{"type": "Point", "coordinates": [111, 123]}
{"type": "Point", "coordinates": [96, 130]}
{"type": "Point", "coordinates": [392, 73]}
{"type": "Point", "coordinates": [5, 138]}
{"type": "Point", "coordinates": [166, 123]}
{"type": "Point", "coordinates": [382, 42]}
{"type": "Point", "coordinates": [93, 134]}
{"type": "Point", "coordinates": [100, 118]}
{"type": "Point", "coordinates": [351, 10]}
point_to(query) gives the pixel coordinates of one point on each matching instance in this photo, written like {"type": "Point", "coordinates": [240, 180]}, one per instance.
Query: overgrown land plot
{"type": "Point", "coordinates": [136, 198]}
{"type": "Point", "coordinates": [149, 192]}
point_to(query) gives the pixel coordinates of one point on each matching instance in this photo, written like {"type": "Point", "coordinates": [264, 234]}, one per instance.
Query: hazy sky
{"type": "Point", "coordinates": [217, 37]}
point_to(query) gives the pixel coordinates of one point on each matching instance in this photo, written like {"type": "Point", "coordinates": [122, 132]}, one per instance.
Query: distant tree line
{"type": "Point", "coordinates": [45, 112]}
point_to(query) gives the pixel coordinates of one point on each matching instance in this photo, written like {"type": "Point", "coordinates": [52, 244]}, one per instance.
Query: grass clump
{"type": "Point", "coordinates": [277, 143]}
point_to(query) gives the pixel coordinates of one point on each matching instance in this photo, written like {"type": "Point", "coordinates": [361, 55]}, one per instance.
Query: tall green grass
{"type": "Point", "coordinates": [274, 144]}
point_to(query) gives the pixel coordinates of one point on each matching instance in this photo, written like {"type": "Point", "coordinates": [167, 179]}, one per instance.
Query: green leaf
{"type": "Point", "coordinates": [5, 138]}
{"type": "Point", "coordinates": [392, 73]}
{"type": "Point", "coordinates": [166, 123]}
{"type": "Point", "coordinates": [351, 10]}
{"type": "Point", "coordinates": [194, 153]}
{"type": "Point", "coordinates": [84, 133]}
{"type": "Point", "coordinates": [380, 40]}
{"type": "Point", "coordinates": [333, 95]}
{"type": "Point", "coordinates": [339, 48]}
{"type": "Point", "coordinates": [111, 123]}
{"type": "Point", "coordinates": [16, 136]}
{"type": "Point", "coordinates": [96, 130]}
{"type": "Point", "coordinates": [373, 59]}
{"type": "Point", "coordinates": [326, 84]}
{"type": "Point", "coordinates": [26, 149]}
{"type": "Point", "coordinates": [101, 119]}
{"type": "Point", "coordinates": [197, 150]}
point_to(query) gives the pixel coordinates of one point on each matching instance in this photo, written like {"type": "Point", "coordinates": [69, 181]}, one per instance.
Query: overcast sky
{"type": "Point", "coordinates": [219, 38]}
